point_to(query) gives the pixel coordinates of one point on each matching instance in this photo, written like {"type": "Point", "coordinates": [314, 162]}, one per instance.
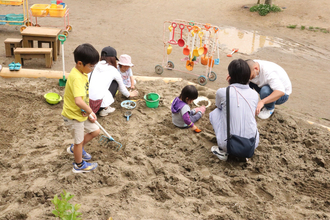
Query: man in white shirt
{"type": "Point", "coordinates": [272, 83]}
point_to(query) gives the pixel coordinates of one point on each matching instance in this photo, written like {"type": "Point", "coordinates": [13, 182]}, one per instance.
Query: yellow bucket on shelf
{"type": "Point", "coordinates": [39, 10]}
{"type": "Point", "coordinates": [59, 11]}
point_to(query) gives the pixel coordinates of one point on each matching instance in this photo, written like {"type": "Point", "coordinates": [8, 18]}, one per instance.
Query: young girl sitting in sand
{"type": "Point", "coordinates": [182, 116]}
{"type": "Point", "coordinates": [125, 70]}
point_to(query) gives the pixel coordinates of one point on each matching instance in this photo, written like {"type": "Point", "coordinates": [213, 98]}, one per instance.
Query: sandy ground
{"type": "Point", "coordinates": [163, 172]}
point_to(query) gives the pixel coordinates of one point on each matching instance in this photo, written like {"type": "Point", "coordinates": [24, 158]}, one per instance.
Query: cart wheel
{"type": "Point", "coordinates": [28, 23]}
{"type": "Point", "coordinates": [69, 28]}
{"type": "Point", "coordinates": [65, 33]}
{"type": "Point", "coordinates": [159, 69]}
{"type": "Point", "coordinates": [212, 76]}
{"type": "Point", "coordinates": [22, 28]}
{"type": "Point", "coordinates": [170, 65]}
{"type": "Point", "coordinates": [202, 80]}
{"type": "Point", "coordinates": [37, 25]}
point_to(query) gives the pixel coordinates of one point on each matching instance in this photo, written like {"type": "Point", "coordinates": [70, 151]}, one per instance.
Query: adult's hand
{"type": "Point", "coordinates": [259, 107]}
{"type": "Point", "coordinates": [133, 93]}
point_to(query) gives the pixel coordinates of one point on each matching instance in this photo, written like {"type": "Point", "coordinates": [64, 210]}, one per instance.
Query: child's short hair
{"type": "Point", "coordinates": [239, 72]}
{"type": "Point", "coordinates": [189, 92]}
{"type": "Point", "coordinates": [86, 53]}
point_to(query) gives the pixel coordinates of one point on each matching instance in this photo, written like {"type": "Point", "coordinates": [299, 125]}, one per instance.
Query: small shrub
{"type": "Point", "coordinates": [264, 9]}
{"type": "Point", "coordinates": [302, 27]}
{"type": "Point", "coordinates": [63, 209]}
{"type": "Point", "coordinates": [275, 8]}
{"type": "Point", "coordinates": [292, 26]}
{"type": "Point", "coordinates": [311, 28]}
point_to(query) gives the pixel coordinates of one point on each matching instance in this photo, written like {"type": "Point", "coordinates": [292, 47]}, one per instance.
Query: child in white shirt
{"type": "Point", "coordinates": [125, 70]}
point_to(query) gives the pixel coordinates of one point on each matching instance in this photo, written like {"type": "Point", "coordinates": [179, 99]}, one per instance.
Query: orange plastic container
{"type": "Point", "coordinates": [11, 2]}
{"type": "Point", "coordinates": [57, 12]}
{"type": "Point", "coordinates": [39, 10]}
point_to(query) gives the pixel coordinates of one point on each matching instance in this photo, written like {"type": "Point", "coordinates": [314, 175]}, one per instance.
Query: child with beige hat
{"type": "Point", "coordinates": [125, 70]}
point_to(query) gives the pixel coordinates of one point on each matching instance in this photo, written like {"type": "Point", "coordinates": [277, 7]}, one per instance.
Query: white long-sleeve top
{"type": "Point", "coordinates": [101, 79]}
{"type": "Point", "coordinates": [273, 75]}
{"type": "Point", "coordinates": [242, 120]}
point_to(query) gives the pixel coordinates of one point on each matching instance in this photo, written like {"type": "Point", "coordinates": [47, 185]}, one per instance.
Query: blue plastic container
{"type": "Point", "coordinates": [63, 4]}
{"type": "Point", "coordinates": [3, 18]}
{"type": "Point", "coordinates": [15, 17]}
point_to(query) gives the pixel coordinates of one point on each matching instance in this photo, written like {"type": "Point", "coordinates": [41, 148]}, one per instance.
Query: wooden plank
{"type": "Point", "coordinates": [13, 40]}
{"type": "Point", "coordinates": [33, 50]}
{"type": "Point", "coordinates": [41, 31]}
{"type": "Point", "coordinates": [32, 73]}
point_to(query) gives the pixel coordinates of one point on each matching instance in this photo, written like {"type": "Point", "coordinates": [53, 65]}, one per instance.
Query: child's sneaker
{"type": "Point", "coordinates": [85, 155]}
{"type": "Point", "coordinates": [219, 153]}
{"type": "Point", "coordinates": [105, 112]}
{"type": "Point", "coordinates": [265, 113]}
{"type": "Point", "coordinates": [86, 167]}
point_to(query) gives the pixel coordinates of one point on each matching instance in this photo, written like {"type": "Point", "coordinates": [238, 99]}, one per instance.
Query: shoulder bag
{"type": "Point", "coordinates": [236, 145]}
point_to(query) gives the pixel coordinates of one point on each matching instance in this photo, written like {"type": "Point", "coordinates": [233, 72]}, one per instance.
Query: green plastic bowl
{"type": "Point", "coordinates": [152, 100]}
{"type": "Point", "coordinates": [52, 98]}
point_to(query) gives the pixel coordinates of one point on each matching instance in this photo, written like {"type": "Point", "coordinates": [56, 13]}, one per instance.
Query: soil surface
{"type": "Point", "coordinates": [163, 172]}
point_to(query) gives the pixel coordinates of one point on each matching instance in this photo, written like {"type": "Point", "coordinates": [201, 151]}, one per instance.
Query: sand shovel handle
{"type": "Point", "coordinates": [98, 124]}
{"type": "Point", "coordinates": [62, 38]}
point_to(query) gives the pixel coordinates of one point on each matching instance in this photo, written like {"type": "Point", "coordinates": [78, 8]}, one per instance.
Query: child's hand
{"type": "Point", "coordinates": [201, 109]}
{"type": "Point", "coordinates": [84, 114]}
{"type": "Point", "coordinates": [93, 118]}
{"type": "Point", "coordinates": [132, 87]}
{"type": "Point", "coordinates": [197, 130]}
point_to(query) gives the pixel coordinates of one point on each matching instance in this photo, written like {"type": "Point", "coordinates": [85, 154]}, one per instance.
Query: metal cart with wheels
{"type": "Point", "coordinates": [204, 35]}
{"type": "Point", "coordinates": [25, 21]}
{"type": "Point", "coordinates": [54, 13]}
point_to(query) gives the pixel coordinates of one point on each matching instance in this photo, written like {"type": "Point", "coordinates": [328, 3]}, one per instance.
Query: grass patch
{"type": "Point", "coordinates": [292, 26]}
{"type": "Point", "coordinates": [264, 9]}
{"type": "Point", "coordinates": [310, 28]}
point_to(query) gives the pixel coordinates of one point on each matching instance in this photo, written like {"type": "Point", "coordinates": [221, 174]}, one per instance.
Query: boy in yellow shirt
{"type": "Point", "coordinates": [76, 107]}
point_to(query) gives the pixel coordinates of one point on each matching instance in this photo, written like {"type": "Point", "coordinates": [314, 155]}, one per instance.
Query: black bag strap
{"type": "Point", "coordinates": [228, 114]}
{"type": "Point", "coordinates": [90, 76]}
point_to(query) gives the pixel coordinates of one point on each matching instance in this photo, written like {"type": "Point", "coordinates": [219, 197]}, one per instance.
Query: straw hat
{"type": "Point", "coordinates": [125, 60]}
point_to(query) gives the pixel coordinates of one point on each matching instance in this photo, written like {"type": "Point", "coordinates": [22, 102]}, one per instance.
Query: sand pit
{"type": "Point", "coordinates": [162, 172]}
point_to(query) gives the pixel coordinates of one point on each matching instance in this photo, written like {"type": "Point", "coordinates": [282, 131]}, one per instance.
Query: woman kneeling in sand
{"type": "Point", "coordinates": [243, 103]}
{"type": "Point", "coordinates": [104, 81]}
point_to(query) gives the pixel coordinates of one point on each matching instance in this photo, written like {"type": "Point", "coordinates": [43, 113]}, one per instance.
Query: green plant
{"type": "Point", "coordinates": [311, 28]}
{"type": "Point", "coordinates": [292, 26]}
{"type": "Point", "coordinates": [302, 27]}
{"type": "Point", "coordinates": [63, 209]}
{"type": "Point", "coordinates": [264, 9]}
